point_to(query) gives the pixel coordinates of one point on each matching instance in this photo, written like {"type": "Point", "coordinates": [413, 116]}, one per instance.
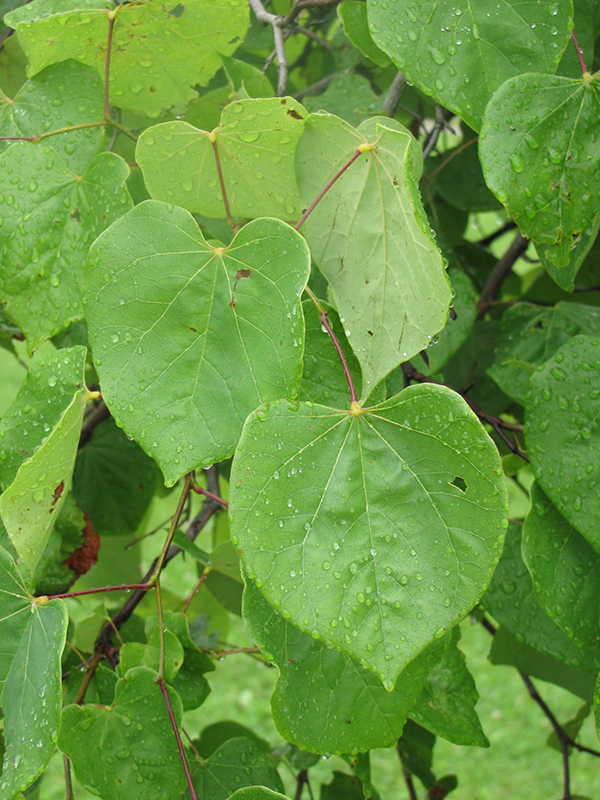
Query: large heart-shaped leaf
{"type": "Point", "coordinates": [50, 217]}
{"type": "Point", "coordinates": [461, 52]}
{"type": "Point", "coordinates": [565, 570]}
{"type": "Point", "coordinates": [374, 531]}
{"type": "Point", "coordinates": [256, 141]}
{"type": "Point", "coordinates": [159, 52]}
{"type": "Point", "coordinates": [540, 152]}
{"type": "Point", "coordinates": [237, 762]}
{"type": "Point", "coordinates": [562, 433]}
{"type": "Point", "coordinates": [361, 715]}
{"type": "Point", "coordinates": [189, 338]}
{"type": "Point", "coordinates": [32, 637]}
{"type": "Point", "coordinates": [30, 504]}
{"type": "Point", "coordinates": [371, 239]}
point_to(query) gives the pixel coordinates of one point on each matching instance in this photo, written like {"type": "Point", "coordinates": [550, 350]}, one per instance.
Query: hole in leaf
{"type": "Point", "coordinates": [459, 483]}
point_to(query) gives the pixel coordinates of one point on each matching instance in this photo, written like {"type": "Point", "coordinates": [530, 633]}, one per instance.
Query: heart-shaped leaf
{"type": "Point", "coordinates": [373, 532]}
{"type": "Point", "coordinates": [189, 338]}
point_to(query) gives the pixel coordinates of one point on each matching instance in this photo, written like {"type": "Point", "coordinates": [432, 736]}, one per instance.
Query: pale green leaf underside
{"type": "Point", "coordinates": [540, 152]}
{"type": "Point", "coordinates": [370, 238]}
{"type": "Point", "coordinates": [51, 216]}
{"type": "Point", "coordinates": [461, 51]}
{"type": "Point", "coordinates": [32, 698]}
{"type": "Point", "coordinates": [159, 52]}
{"type": "Point", "coordinates": [46, 393]}
{"type": "Point", "coordinates": [256, 141]}
{"type": "Point", "coordinates": [31, 644]}
{"type": "Point", "coordinates": [562, 433]}
{"type": "Point", "coordinates": [354, 711]}
{"type": "Point", "coordinates": [356, 530]}
{"type": "Point", "coordinates": [184, 348]}
{"type": "Point", "coordinates": [30, 505]}
{"type": "Point", "coordinates": [62, 95]}
{"type": "Point", "coordinates": [565, 571]}
{"type": "Point", "coordinates": [127, 751]}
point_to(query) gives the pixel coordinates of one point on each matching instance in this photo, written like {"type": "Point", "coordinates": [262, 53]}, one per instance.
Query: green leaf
{"type": "Point", "coordinates": [349, 97]}
{"type": "Point", "coordinates": [33, 637]}
{"type": "Point", "coordinates": [565, 571]}
{"type": "Point", "coordinates": [562, 434]}
{"type": "Point", "coordinates": [256, 141]}
{"type": "Point", "coordinates": [541, 158]}
{"type": "Point", "coordinates": [191, 548]}
{"type": "Point", "coordinates": [323, 379]}
{"type": "Point", "coordinates": [361, 715]}
{"type": "Point", "coordinates": [257, 793]}
{"type": "Point", "coordinates": [31, 503]}
{"type": "Point", "coordinates": [356, 26]}
{"type": "Point", "coordinates": [460, 179]}
{"type": "Point", "coordinates": [456, 332]}
{"type": "Point", "coordinates": [513, 652]}
{"type": "Point", "coordinates": [370, 238]}
{"type": "Point", "coordinates": [511, 600]}
{"type": "Point", "coordinates": [438, 44]}
{"type": "Point", "coordinates": [49, 388]}
{"type": "Point", "coordinates": [446, 706]}
{"type": "Point", "coordinates": [415, 748]}
{"type": "Point", "coordinates": [61, 96]}
{"type": "Point", "coordinates": [113, 481]}
{"type": "Point", "coordinates": [244, 77]}
{"type": "Point", "coordinates": [597, 705]}
{"type": "Point", "coordinates": [139, 753]}
{"type": "Point", "coordinates": [159, 53]}
{"type": "Point", "coordinates": [213, 736]}
{"type": "Point", "coordinates": [236, 763]}
{"type": "Point", "coordinates": [51, 216]}
{"type": "Point", "coordinates": [345, 787]}
{"type": "Point", "coordinates": [346, 522]}
{"type": "Point", "coordinates": [224, 578]}
{"type": "Point", "coordinates": [182, 361]}
{"type": "Point", "coordinates": [531, 335]}
{"type": "Point", "coordinates": [564, 276]}
{"type": "Point", "coordinates": [40, 9]}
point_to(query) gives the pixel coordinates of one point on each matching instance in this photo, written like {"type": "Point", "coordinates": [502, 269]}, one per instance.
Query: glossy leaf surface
{"type": "Point", "coordinates": [353, 526]}
{"type": "Point", "coordinates": [133, 766]}
{"type": "Point", "coordinates": [189, 338]}
{"type": "Point", "coordinates": [540, 152]}
{"type": "Point", "coordinates": [565, 571]}
{"type": "Point", "coordinates": [370, 239]}
{"type": "Point", "coordinates": [461, 52]}
{"type": "Point", "coordinates": [256, 142]}
{"type": "Point", "coordinates": [361, 714]}
{"type": "Point", "coordinates": [33, 638]}
{"type": "Point", "coordinates": [158, 53]}
{"type": "Point", "coordinates": [51, 216]}
{"type": "Point", "coordinates": [562, 433]}
{"type": "Point", "coordinates": [30, 504]}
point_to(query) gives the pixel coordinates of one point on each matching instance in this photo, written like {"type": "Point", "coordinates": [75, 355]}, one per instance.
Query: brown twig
{"type": "Point", "coordinates": [301, 781]}
{"type": "Point", "coordinates": [412, 792]}
{"type": "Point", "coordinates": [99, 413]}
{"type": "Point", "coordinates": [440, 124]}
{"type": "Point", "coordinates": [394, 94]}
{"type": "Point", "coordinates": [501, 271]}
{"type": "Point", "coordinates": [68, 782]}
{"type": "Point", "coordinates": [276, 22]}
{"type": "Point", "coordinates": [487, 240]}
{"type": "Point", "coordinates": [186, 768]}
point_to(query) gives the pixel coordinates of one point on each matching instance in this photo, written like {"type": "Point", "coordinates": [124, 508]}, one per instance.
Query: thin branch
{"type": "Point", "coordinates": [497, 423]}
{"type": "Point", "coordinates": [68, 782]}
{"type": "Point", "coordinates": [188, 602]}
{"type": "Point", "coordinates": [412, 792]}
{"type": "Point", "coordinates": [394, 95]}
{"type": "Point", "coordinates": [316, 88]}
{"type": "Point", "coordinates": [440, 124]}
{"type": "Point", "coordinates": [487, 240]}
{"type": "Point", "coordinates": [578, 289]}
{"type": "Point", "coordinates": [265, 17]}
{"type": "Point", "coordinates": [233, 652]}
{"type": "Point", "coordinates": [186, 769]}
{"type": "Point", "coordinates": [584, 69]}
{"type": "Point", "coordinates": [452, 155]}
{"type": "Point", "coordinates": [502, 270]}
{"type": "Point", "coordinates": [314, 36]}
{"type": "Point", "coordinates": [5, 35]}
{"type": "Point", "coordinates": [558, 729]}
{"type": "Point", "coordinates": [206, 493]}
{"type": "Point", "coordinates": [98, 415]}
{"type": "Point", "coordinates": [301, 780]}
{"type": "Point", "coordinates": [300, 6]}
